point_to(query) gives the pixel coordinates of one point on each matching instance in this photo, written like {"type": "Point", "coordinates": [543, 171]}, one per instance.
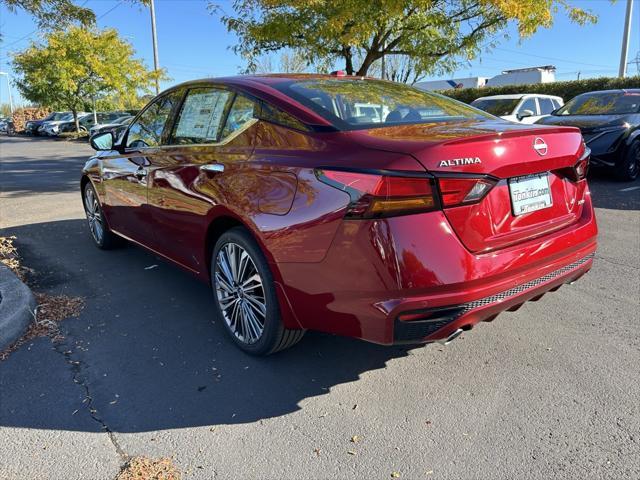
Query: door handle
{"type": "Point", "coordinates": [141, 173]}
{"type": "Point", "coordinates": [213, 167]}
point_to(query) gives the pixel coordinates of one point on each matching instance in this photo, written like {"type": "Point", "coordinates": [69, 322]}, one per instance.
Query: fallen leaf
{"type": "Point", "coordinates": [429, 472]}
{"type": "Point", "coordinates": [351, 452]}
{"type": "Point", "coordinates": [395, 474]}
{"type": "Point", "coordinates": [316, 451]}
{"type": "Point", "coordinates": [355, 439]}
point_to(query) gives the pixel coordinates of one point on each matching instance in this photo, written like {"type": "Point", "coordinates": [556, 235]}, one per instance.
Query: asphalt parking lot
{"type": "Point", "coordinates": [549, 391]}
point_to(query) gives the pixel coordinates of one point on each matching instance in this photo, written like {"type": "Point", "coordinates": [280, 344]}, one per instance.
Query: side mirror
{"type": "Point", "coordinates": [102, 141]}
{"type": "Point", "coordinates": [525, 114]}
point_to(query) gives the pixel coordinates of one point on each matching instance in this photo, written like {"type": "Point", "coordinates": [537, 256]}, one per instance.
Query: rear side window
{"type": "Point", "coordinates": [200, 119]}
{"type": "Point", "coordinates": [147, 130]}
{"type": "Point", "coordinates": [275, 115]}
{"type": "Point", "coordinates": [242, 111]}
{"type": "Point", "coordinates": [546, 106]}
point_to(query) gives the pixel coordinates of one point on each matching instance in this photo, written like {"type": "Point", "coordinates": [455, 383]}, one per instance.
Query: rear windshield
{"type": "Point", "coordinates": [351, 104]}
{"type": "Point", "coordinates": [602, 104]}
{"type": "Point", "coordinates": [497, 106]}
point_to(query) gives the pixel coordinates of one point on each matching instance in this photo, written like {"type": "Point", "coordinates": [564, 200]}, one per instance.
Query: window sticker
{"type": "Point", "coordinates": [202, 114]}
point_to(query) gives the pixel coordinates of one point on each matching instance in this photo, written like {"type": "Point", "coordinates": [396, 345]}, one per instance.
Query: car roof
{"type": "Point", "coordinates": [617, 90]}
{"type": "Point", "coordinates": [516, 96]}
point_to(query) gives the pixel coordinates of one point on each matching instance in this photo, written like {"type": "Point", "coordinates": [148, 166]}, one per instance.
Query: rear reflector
{"type": "Point", "coordinates": [456, 191]}
{"type": "Point", "coordinates": [375, 195]}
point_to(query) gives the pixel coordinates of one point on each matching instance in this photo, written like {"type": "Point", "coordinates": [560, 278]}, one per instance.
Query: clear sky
{"type": "Point", "coordinates": [193, 43]}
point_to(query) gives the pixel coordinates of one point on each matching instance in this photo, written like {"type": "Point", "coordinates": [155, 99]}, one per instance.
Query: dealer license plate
{"type": "Point", "coordinates": [530, 193]}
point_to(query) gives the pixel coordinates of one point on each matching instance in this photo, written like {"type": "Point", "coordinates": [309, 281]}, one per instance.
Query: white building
{"type": "Point", "coordinates": [469, 82]}
{"type": "Point", "coordinates": [518, 76]}
{"type": "Point", "coordinates": [524, 76]}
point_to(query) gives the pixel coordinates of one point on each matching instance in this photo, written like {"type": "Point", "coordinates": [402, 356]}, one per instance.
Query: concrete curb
{"type": "Point", "coordinates": [17, 305]}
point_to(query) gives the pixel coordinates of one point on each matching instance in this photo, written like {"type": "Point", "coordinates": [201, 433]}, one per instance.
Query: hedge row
{"type": "Point", "coordinates": [566, 90]}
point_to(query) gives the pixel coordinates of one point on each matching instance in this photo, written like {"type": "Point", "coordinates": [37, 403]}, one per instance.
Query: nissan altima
{"type": "Point", "coordinates": [346, 205]}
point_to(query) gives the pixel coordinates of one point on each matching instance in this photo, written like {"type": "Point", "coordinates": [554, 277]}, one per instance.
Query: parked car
{"type": "Point", "coordinates": [32, 126]}
{"type": "Point", "coordinates": [610, 124]}
{"type": "Point", "coordinates": [52, 127]}
{"type": "Point", "coordinates": [520, 107]}
{"type": "Point", "coordinates": [303, 215]}
{"type": "Point", "coordinates": [6, 126]}
{"type": "Point", "coordinates": [117, 126]}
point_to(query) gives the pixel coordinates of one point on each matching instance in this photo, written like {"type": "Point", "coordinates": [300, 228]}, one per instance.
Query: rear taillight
{"type": "Point", "coordinates": [581, 168]}
{"type": "Point", "coordinates": [463, 190]}
{"type": "Point", "coordinates": [382, 194]}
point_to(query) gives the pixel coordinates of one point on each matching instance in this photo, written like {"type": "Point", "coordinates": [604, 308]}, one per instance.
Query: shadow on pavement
{"type": "Point", "coordinates": [147, 350]}
{"type": "Point", "coordinates": [607, 192]}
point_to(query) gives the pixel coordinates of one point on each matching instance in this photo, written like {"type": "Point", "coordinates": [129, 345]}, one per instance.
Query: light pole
{"type": "Point", "coordinates": [9, 90]}
{"type": "Point", "coordinates": [155, 44]}
{"type": "Point", "coordinates": [625, 39]}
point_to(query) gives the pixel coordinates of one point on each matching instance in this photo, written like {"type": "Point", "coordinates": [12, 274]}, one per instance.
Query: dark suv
{"type": "Point", "coordinates": [610, 124]}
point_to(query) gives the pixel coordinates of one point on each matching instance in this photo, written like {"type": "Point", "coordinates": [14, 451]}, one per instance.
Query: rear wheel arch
{"type": "Point", "coordinates": [225, 222]}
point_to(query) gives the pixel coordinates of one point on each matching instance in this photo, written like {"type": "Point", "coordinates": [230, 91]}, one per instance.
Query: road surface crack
{"type": "Point", "coordinates": [76, 369]}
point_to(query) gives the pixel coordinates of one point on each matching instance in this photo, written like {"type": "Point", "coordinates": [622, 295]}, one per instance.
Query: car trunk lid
{"type": "Point", "coordinates": [521, 160]}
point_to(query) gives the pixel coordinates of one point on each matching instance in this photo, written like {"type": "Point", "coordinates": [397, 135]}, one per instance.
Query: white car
{"type": "Point", "coordinates": [519, 107]}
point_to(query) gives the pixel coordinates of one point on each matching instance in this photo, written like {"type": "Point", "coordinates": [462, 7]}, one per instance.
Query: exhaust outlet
{"type": "Point", "coordinates": [451, 338]}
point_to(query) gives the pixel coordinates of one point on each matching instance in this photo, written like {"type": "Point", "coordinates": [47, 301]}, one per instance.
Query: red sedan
{"type": "Point", "coordinates": [345, 205]}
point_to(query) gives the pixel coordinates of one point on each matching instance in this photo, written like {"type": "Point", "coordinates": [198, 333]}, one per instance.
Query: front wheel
{"type": "Point", "coordinates": [102, 236]}
{"type": "Point", "coordinates": [628, 168]}
{"type": "Point", "coordinates": [245, 295]}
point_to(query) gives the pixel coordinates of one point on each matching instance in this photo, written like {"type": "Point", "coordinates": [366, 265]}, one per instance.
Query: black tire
{"type": "Point", "coordinates": [628, 168]}
{"type": "Point", "coordinates": [234, 243]}
{"type": "Point", "coordinates": [104, 238]}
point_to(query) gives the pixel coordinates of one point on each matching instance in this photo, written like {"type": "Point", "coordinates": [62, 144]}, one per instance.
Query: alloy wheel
{"type": "Point", "coordinates": [240, 292]}
{"type": "Point", "coordinates": [634, 164]}
{"type": "Point", "coordinates": [94, 215]}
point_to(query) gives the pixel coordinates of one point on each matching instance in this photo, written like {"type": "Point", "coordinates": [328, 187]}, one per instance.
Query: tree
{"type": "Point", "coordinates": [52, 13]}
{"type": "Point", "coordinates": [289, 62]}
{"type": "Point", "coordinates": [433, 33]}
{"type": "Point", "coordinates": [77, 67]}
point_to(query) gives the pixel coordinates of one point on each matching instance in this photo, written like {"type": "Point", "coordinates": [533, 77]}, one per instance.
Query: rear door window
{"type": "Point", "coordinates": [241, 113]}
{"type": "Point", "coordinates": [201, 117]}
{"type": "Point", "coordinates": [546, 106]}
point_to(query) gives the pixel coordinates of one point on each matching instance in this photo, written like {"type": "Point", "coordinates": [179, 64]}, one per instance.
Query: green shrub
{"type": "Point", "coordinates": [566, 90]}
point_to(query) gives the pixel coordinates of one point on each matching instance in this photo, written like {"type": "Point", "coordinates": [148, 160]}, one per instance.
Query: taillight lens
{"type": "Point", "coordinates": [376, 195]}
{"type": "Point", "coordinates": [458, 190]}
{"type": "Point", "coordinates": [580, 170]}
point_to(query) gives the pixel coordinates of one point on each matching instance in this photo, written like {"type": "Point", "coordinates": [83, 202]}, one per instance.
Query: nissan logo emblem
{"type": "Point", "coordinates": [540, 146]}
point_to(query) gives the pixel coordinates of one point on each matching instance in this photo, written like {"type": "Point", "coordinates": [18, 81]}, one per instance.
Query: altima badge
{"type": "Point", "coordinates": [457, 162]}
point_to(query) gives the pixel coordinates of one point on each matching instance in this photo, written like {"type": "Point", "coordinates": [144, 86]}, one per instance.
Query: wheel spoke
{"type": "Point", "coordinates": [223, 283]}
{"type": "Point", "coordinates": [260, 307]}
{"type": "Point", "coordinates": [223, 263]}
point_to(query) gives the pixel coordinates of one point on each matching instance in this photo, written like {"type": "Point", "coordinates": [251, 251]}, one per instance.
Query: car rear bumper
{"type": "Point", "coordinates": [444, 322]}
{"type": "Point", "coordinates": [410, 279]}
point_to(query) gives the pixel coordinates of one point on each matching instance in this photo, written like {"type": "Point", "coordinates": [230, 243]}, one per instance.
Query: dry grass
{"type": "Point", "coordinates": [144, 468]}
{"type": "Point", "coordinates": [51, 310]}
{"type": "Point", "coordinates": [9, 256]}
